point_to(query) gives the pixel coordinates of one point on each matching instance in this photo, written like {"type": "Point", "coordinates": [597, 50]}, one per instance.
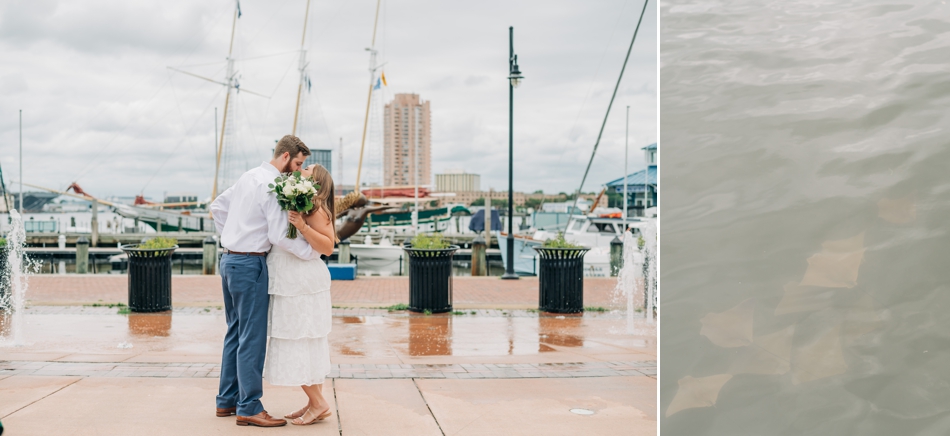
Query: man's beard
{"type": "Point", "coordinates": [286, 168]}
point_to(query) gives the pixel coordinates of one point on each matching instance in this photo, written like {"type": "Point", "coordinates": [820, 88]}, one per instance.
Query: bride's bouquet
{"type": "Point", "coordinates": [294, 193]}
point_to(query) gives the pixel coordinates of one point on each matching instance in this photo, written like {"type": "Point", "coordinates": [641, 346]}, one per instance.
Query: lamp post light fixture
{"type": "Point", "coordinates": [514, 79]}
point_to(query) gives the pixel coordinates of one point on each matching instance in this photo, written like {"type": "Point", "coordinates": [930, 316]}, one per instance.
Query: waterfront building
{"type": "Point", "coordinates": [407, 128]}
{"type": "Point", "coordinates": [520, 198]}
{"type": "Point", "coordinates": [642, 185]}
{"type": "Point", "coordinates": [455, 181]}
{"type": "Point", "coordinates": [322, 157]}
{"type": "Point", "coordinates": [181, 197]}
{"type": "Point", "coordinates": [467, 197]}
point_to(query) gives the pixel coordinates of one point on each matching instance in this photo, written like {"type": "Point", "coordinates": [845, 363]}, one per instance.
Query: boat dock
{"type": "Point", "coordinates": [194, 239]}
{"type": "Point", "coordinates": [185, 260]}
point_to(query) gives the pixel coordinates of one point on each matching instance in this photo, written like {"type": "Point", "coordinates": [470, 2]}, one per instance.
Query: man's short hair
{"type": "Point", "coordinates": [290, 144]}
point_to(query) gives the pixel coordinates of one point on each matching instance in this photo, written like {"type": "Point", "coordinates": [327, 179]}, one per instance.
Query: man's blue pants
{"type": "Point", "coordinates": [244, 281]}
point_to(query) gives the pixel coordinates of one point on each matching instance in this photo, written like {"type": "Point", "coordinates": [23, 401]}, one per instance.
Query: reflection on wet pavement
{"type": "Point", "coordinates": [150, 324]}
{"type": "Point", "coordinates": [558, 331]}
{"type": "Point", "coordinates": [445, 335]}
{"type": "Point", "coordinates": [102, 334]}
{"type": "Point", "coordinates": [430, 335]}
{"type": "Point", "coordinates": [352, 319]}
{"type": "Point", "coordinates": [388, 339]}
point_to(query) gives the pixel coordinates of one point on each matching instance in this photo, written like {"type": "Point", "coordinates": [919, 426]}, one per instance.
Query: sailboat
{"type": "Point", "coordinates": [158, 219]}
{"type": "Point", "coordinates": [173, 220]}
{"type": "Point", "coordinates": [187, 221]}
{"type": "Point", "coordinates": [385, 253]}
{"type": "Point", "coordinates": [199, 220]}
{"type": "Point", "coordinates": [593, 230]}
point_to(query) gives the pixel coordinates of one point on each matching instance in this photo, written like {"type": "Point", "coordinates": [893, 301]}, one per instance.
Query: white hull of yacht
{"type": "Point", "coordinates": [590, 232]}
{"type": "Point", "coordinates": [596, 261]}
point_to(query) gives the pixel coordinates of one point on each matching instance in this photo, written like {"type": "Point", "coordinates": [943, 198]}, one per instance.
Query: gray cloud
{"type": "Point", "coordinates": [101, 107]}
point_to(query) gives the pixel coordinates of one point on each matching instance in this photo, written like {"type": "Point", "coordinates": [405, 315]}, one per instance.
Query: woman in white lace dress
{"type": "Point", "coordinates": [298, 352]}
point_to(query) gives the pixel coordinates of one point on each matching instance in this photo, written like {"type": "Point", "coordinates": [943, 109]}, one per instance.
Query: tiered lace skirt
{"type": "Point", "coordinates": [298, 322]}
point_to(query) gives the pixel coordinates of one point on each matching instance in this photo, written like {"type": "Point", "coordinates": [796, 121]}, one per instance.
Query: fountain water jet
{"type": "Point", "coordinates": [650, 258]}
{"type": "Point", "coordinates": [630, 278]}
{"type": "Point", "coordinates": [636, 281]}
{"type": "Point", "coordinates": [15, 280]}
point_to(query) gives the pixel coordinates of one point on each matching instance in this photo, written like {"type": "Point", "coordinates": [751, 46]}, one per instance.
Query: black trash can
{"type": "Point", "coordinates": [430, 279]}
{"type": "Point", "coordinates": [150, 278]}
{"type": "Point", "coordinates": [561, 279]}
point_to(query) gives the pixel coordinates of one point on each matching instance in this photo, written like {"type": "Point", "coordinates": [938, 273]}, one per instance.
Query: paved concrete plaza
{"type": "Point", "coordinates": [480, 371]}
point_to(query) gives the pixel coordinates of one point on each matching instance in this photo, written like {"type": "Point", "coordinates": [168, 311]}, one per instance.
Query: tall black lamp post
{"type": "Point", "coordinates": [514, 79]}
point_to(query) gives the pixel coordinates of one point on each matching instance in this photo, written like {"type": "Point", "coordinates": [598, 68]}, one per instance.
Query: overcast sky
{"type": "Point", "coordinates": [100, 106]}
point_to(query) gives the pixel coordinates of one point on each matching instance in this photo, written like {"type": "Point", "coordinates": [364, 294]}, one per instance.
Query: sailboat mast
{"type": "Point", "coordinates": [369, 97]}
{"type": "Point", "coordinates": [303, 66]}
{"type": "Point", "coordinates": [626, 152]}
{"type": "Point", "coordinates": [227, 99]}
{"type": "Point", "coordinates": [339, 165]}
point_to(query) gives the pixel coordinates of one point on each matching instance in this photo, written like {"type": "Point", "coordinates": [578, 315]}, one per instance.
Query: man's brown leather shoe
{"type": "Point", "coordinates": [219, 412]}
{"type": "Point", "coordinates": [262, 419]}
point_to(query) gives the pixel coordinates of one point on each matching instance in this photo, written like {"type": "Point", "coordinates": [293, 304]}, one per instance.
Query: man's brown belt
{"type": "Point", "coordinates": [226, 251]}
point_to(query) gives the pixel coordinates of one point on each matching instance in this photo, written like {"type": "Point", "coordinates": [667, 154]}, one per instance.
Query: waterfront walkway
{"type": "Point", "coordinates": [187, 290]}
{"type": "Point", "coordinates": [495, 367]}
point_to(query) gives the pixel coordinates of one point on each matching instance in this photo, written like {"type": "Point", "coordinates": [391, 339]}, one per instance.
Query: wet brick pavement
{"type": "Point", "coordinates": [341, 371]}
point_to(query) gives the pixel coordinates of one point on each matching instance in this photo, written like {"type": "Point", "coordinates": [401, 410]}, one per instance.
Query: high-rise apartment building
{"type": "Point", "coordinates": [407, 146]}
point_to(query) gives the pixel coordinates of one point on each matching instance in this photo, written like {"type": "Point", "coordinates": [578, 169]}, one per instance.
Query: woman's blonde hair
{"type": "Point", "coordinates": [324, 198]}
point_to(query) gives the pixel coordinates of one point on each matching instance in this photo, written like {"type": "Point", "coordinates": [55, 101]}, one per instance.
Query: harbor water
{"type": "Point", "coordinates": [806, 200]}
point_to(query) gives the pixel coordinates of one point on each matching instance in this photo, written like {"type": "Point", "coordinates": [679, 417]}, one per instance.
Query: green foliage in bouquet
{"type": "Point", "coordinates": [434, 241]}
{"type": "Point", "coordinates": [158, 243]}
{"type": "Point", "coordinates": [559, 242]}
{"type": "Point", "coordinates": [3, 242]}
{"type": "Point", "coordinates": [294, 193]}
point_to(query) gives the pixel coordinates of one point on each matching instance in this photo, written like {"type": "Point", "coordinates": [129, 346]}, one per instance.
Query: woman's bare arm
{"type": "Point", "coordinates": [316, 229]}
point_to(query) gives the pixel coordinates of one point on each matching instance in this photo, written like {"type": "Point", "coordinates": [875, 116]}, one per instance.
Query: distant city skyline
{"type": "Point", "coordinates": [102, 108]}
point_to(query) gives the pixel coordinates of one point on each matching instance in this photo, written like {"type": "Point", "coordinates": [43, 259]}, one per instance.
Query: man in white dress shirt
{"type": "Point", "coordinates": [251, 222]}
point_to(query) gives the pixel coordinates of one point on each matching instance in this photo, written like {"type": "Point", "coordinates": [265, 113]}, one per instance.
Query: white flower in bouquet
{"type": "Point", "coordinates": [294, 193]}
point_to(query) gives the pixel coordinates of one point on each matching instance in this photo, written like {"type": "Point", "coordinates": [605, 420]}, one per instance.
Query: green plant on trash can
{"type": "Point", "coordinates": [434, 241]}
{"type": "Point", "coordinates": [158, 243]}
{"type": "Point", "coordinates": [559, 242]}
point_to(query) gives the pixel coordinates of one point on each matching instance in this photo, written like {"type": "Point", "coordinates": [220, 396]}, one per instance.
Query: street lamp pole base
{"type": "Point", "coordinates": [510, 276]}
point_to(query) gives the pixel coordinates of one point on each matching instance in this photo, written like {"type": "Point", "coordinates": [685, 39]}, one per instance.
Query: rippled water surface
{"type": "Point", "coordinates": [806, 200]}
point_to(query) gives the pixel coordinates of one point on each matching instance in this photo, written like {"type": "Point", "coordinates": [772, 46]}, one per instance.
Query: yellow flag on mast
{"type": "Point", "coordinates": [383, 76]}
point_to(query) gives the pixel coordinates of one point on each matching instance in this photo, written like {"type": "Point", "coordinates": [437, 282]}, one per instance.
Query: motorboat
{"type": "Point", "coordinates": [376, 256]}
{"type": "Point", "coordinates": [594, 232]}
